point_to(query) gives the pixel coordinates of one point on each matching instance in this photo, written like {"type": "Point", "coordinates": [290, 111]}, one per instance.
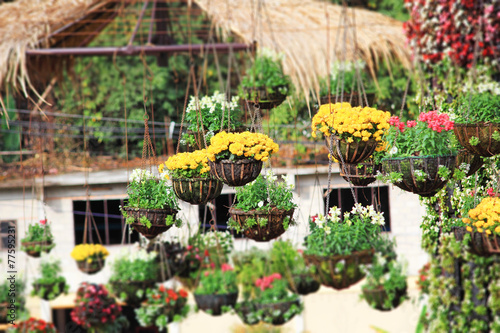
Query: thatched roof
{"type": "Point", "coordinates": [298, 28]}
{"type": "Point", "coordinates": [310, 34]}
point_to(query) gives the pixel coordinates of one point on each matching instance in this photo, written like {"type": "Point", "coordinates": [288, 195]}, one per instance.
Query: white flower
{"type": "Point", "coordinates": [140, 175]}
{"type": "Point", "coordinates": [260, 204]}
{"type": "Point", "coordinates": [393, 151]}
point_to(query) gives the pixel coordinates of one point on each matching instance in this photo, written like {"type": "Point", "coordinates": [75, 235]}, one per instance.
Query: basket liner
{"type": "Point", "coordinates": [361, 174]}
{"type": "Point", "coordinates": [91, 268]}
{"type": "Point", "coordinates": [215, 302]}
{"type": "Point", "coordinates": [352, 152]}
{"type": "Point", "coordinates": [303, 284]}
{"type": "Point", "coordinates": [474, 161]}
{"type": "Point", "coordinates": [428, 164]}
{"type": "Point", "coordinates": [34, 253]}
{"type": "Point", "coordinates": [271, 230]}
{"type": "Point", "coordinates": [156, 216]}
{"type": "Point", "coordinates": [197, 191]}
{"type": "Point", "coordinates": [236, 173]}
{"type": "Point", "coordinates": [325, 268]}
{"type": "Point", "coordinates": [376, 297]}
{"type": "Point", "coordinates": [481, 244]}
{"type": "Point", "coordinates": [487, 146]}
{"type": "Point", "coordinates": [271, 310]}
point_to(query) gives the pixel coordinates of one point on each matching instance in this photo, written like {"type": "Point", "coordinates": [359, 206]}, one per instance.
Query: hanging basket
{"type": "Point", "coordinates": [480, 244]}
{"type": "Point", "coordinates": [271, 230]}
{"type": "Point", "coordinates": [353, 152]}
{"type": "Point", "coordinates": [353, 99]}
{"type": "Point", "coordinates": [91, 268]}
{"type": "Point", "coordinates": [274, 313]}
{"type": "Point", "coordinates": [130, 288]}
{"type": "Point", "coordinates": [331, 276]}
{"type": "Point", "coordinates": [303, 284]}
{"type": "Point", "coordinates": [474, 161]}
{"type": "Point", "coordinates": [236, 173]}
{"type": "Point", "coordinates": [48, 289]}
{"type": "Point", "coordinates": [247, 313]}
{"type": "Point", "coordinates": [361, 174]}
{"type": "Point", "coordinates": [409, 168]}
{"type": "Point", "coordinates": [376, 298]}
{"type": "Point", "coordinates": [263, 99]}
{"type": "Point", "coordinates": [212, 304]}
{"type": "Point", "coordinates": [197, 191]}
{"type": "Point", "coordinates": [35, 253]}
{"type": "Point", "coordinates": [4, 310]}
{"type": "Point", "coordinates": [155, 216]}
{"type": "Point", "coordinates": [487, 146]}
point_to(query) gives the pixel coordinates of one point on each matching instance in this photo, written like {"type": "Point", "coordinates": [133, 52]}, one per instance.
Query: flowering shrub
{"type": "Point", "coordinates": [217, 281]}
{"type": "Point", "coordinates": [89, 252]}
{"type": "Point", "coordinates": [235, 146]}
{"type": "Point", "coordinates": [38, 232]}
{"type": "Point", "coordinates": [186, 165]}
{"type": "Point", "coordinates": [32, 325]}
{"type": "Point", "coordinates": [96, 310]}
{"type": "Point", "coordinates": [331, 235]}
{"type": "Point", "coordinates": [423, 282]}
{"type": "Point", "coordinates": [163, 306]}
{"type": "Point", "coordinates": [485, 218]}
{"type": "Point", "coordinates": [430, 135]}
{"type": "Point", "coordinates": [350, 123]}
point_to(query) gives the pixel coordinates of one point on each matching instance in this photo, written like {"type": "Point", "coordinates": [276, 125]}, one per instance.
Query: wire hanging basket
{"type": "Point", "coordinates": [197, 191]}
{"type": "Point", "coordinates": [236, 173]}
{"type": "Point", "coordinates": [92, 267]}
{"type": "Point", "coordinates": [480, 244]}
{"type": "Point", "coordinates": [483, 134]}
{"type": "Point", "coordinates": [262, 233]}
{"type": "Point", "coordinates": [376, 298]}
{"type": "Point", "coordinates": [213, 303]}
{"type": "Point", "coordinates": [361, 174]}
{"type": "Point", "coordinates": [155, 216]}
{"type": "Point", "coordinates": [474, 161]}
{"type": "Point", "coordinates": [263, 99]}
{"type": "Point", "coordinates": [351, 152]}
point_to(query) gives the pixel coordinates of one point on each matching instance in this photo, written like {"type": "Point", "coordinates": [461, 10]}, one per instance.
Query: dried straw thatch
{"type": "Point", "coordinates": [310, 33]}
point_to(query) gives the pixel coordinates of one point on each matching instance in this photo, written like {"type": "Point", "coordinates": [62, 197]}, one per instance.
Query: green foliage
{"type": "Point", "coordinates": [38, 232]}
{"type": "Point", "coordinates": [249, 266]}
{"type": "Point", "coordinates": [478, 107]}
{"type": "Point", "coordinates": [47, 286]}
{"type": "Point", "coordinates": [138, 265]}
{"type": "Point", "coordinates": [286, 260]}
{"type": "Point", "coordinates": [266, 72]}
{"type": "Point", "coordinates": [264, 194]}
{"type": "Point", "coordinates": [358, 231]}
{"type": "Point", "coordinates": [217, 281]}
{"type": "Point", "coordinates": [348, 77]}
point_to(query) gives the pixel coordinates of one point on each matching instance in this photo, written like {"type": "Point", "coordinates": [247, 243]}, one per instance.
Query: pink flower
{"type": "Point", "coordinates": [490, 192]}
{"type": "Point", "coordinates": [411, 123]}
{"type": "Point", "coordinates": [394, 120]}
{"type": "Point", "coordinates": [43, 222]}
{"type": "Point", "coordinates": [207, 273]}
{"type": "Point", "coordinates": [226, 267]}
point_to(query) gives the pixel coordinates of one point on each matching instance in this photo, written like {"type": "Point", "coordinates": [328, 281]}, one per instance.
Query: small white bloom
{"type": "Point", "coordinates": [260, 204]}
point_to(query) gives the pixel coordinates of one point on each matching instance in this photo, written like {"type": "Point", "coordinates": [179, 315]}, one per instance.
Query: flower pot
{"type": "Point", "coordinates": [197, 191]}
{"type": "Point", "coordinates": [44, 247]}
{"type": "Point", "coordinates": [212, 304]}
{"type": "Point", "coordinates": [246, 312]}
{"type": "Point", "coordinates": [48, 288]}
{"type": "Point", "coordinates": [480, 244]}
{"type": "Point", "coordinates": [351, 152]}
{"type": "Point", "coordinates": [361, 174]}
{"type": "Point", "coordinates": [91, 268]}
{"type": "Point", "coordinates": [274, 313]}
{"type": "Point", "coordinates": [409, 168]}
{"type": "Point", "coordinates": [262, 99]}
{"type": "Point", "coordinates": [474, 161]}
{"type": "Point", "coordinates": [156, 216]}
{"type": "Point", "coordinates": [376, 298]}
{"type": "Point", "coordinates": [329, 275]}
{"type": "Point", "coordinates": [351, 98]}
{"type": "Point", "coordinates": [4, 310]}
{"type": "Point", "coordinates": [303, 284]}
{"type": "Point", "coordinates": [130, 288]}
{"type": "Point", "coordinates": [487, 146]}
{"type": "Point", "coordinates": [236, 173]}
{"type": "Point", "coordinates": [271, 230]}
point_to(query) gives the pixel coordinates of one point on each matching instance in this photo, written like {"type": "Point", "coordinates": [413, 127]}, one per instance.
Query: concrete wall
{"type": "Point", "coordinates": [324, 311]}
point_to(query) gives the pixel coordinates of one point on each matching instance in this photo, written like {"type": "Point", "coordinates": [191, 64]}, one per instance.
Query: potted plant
{"type": "Point", "coordinates": [131, 274]}
{"type": "Point", "coordinates": [263, 209]}
{"type": "Point", "coordinates": [32, 325]}
{"type": "Point", "coordinates": [162, 306]}
{"type": "Point", "coordinates": [151, 205]}
{"type": "Point", "coordinates": [483, 227]}
{"type": "Point", "coordinates": [236, 158]}
{"type": "Point", "coordinates": [6, 310]}
{"type": "Point", "coordinates": [96, 311]}
{"type": "Point", "coordinates": [337, 247]}
{"type": "Point", "coordinates": [288, 261]}
{"type": "Point", "coordinates": [469, 162]}
{"type": "Point", "coordinates": [38, 239]}
{"type": "Point", "coordinates": [385, 287]}
{"type": "Point", "coordinates": [50, 284]}
{"type": "Point", "coordinates": [191, 178]}
{"type": "Point", "coordinates": [209, 115]}
{"type": "Point", "coordinates": [352, 133]}
{"type": "Point", "coordinates": [217, 290]}
{"type": "Point", "coordinates": [477, 122]}
{"type": "Point", "coordinates": [90, 258]}
{"type": "Point", "coordinates": [265, 85]}
{"type": "Point", "coordinates": [420, 156]}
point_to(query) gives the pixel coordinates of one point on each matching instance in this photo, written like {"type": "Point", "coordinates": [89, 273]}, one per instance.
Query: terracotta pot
{"type": "Point", "coordinates": [212, 304]}
{"type": "Point", "coordinates": [197, 191]}
{"type": "Point", "coordinates": [483, 131]}
{"type": "Point", "coordinates": [155, 216]}
{"type": "Point", "coordinates": [236, 173]}
{"type": "Point", "coordinates": [274, 227]}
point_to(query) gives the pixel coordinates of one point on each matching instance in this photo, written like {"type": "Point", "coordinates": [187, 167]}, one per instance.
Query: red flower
{"type": "Point", "coordinates": [162, 288]}
{"type": "Point", "coordinates": [183, 293]}
{"type": "Point", "coordinates": [43, 222]}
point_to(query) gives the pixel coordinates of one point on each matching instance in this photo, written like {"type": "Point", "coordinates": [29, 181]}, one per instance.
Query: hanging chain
{"type": "Point", "coordinates": [148, 152]}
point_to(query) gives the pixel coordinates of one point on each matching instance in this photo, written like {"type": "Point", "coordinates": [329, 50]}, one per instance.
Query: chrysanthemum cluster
{"type": "Point", "coordinates": [485, 218]}
{"type": "Point", "coordinates": [186, 165]}
{"type": "Point", "coordinates": [241, 145]}
{"type": "Point", "coordinates": [89, 252]}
